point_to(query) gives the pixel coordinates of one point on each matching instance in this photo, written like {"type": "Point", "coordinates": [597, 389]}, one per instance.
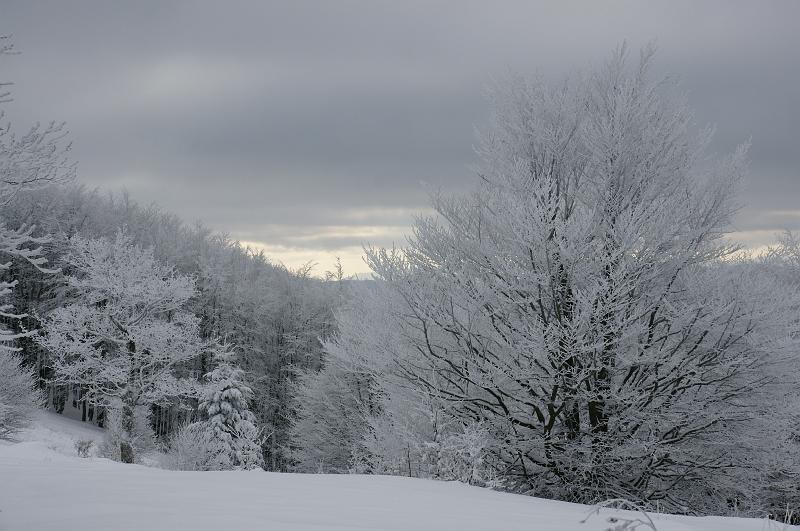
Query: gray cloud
{"type": "Point", "coordinates": [311, 125]}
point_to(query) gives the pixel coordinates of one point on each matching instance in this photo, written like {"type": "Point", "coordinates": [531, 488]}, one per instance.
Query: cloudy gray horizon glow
{"type": "Point", "coordinates": [311, 128]}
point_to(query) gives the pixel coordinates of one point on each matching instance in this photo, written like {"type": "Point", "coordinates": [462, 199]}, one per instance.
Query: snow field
{"type": "Point", "coordinates": [44, 486]}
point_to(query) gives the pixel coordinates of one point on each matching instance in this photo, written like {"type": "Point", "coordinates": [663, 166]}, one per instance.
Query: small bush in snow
{"type": "Point", "coordinates": [461, 456]}
{"type": "Point", "coordinates": [84, 447]}
{"type": "Point", "coordinates": [193, 447]}
{"type": "Point", "coordinates": [640, 522]}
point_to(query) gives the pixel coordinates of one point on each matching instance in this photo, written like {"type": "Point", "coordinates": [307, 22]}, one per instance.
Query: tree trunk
{"type": "Point", "coordinates": [128, 407]}
{"type": "Point", "coordinates": [125, 447]}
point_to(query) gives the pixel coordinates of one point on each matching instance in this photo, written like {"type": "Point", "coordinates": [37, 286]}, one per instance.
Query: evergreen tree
{"type": "Point", "coordinates": [230, 422]}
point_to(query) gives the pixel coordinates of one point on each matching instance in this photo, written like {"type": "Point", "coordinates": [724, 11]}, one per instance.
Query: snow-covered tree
{"type": "Point", "coordinates": [330, 422]}
{"type": "Point", "coordinates": [334, 407]}
{"type": "Point", "coordinates": [32, 160]}
{"type": "Point", "coordinates": [19, 397]}
{"type": "Point", "coordinates": [126, 330]}
{"type": "Point", "coordinates": [775, 483]}
{"type": "Point", "coordinates": [228, 417]}
{"type": "Point", "coordinates": [20, 244]}
{"type": "Point", "coordinates": [27, 162]}
{"type": "Point", "coordinates": [360, 413]}
{"type": "Point", "coordinates": [193, 447]}
{"type": "Point", "coordinates": [581, 306]}
{"type": "Point", "coordinates": [226, 436]}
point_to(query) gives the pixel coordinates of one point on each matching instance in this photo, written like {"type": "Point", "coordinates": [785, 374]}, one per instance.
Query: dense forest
{"type": "Point", "coordinates": [273, 319]}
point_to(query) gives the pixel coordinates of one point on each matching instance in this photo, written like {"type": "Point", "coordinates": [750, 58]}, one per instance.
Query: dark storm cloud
{"type": "Point", "coordinates": [312, 125]}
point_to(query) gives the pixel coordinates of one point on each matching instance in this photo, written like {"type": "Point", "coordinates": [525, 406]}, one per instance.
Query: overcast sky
{"type": "Point", "coordinates": [309, 128]}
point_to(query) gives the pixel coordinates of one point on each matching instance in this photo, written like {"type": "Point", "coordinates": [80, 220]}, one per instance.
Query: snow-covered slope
{"type": "Point", "coordinates": [45, 486]}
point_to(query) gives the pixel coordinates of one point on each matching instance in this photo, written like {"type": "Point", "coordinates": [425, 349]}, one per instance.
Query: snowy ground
{"type": "Point", "coordinates": [45, 486]}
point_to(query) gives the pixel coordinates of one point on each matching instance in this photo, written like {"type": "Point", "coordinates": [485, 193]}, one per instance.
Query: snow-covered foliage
{"type": "Point", "coordinates": [226, 436]}
{"type": "Point", "coordinates": [36, 159]}
{"type": "Point", "coordinates": [228, 417]}
{"type": "Point", "coordinates": [19, 244]}
{"type": "Point", "coordinates": [777, 488]}
{"type": "Point", "coordinates": [139, 435]}
{"type": "Point", "coordinates": [275, 316]}
{"type": "Point", "coordinates": [360, 415]}
{"type": "Point", "coordinates": [330, 422]}
{"type": "Point", "coordinates": [276, 319]}
{"type": "Point", "coordinates": [126, 330]}
{"type": "Point", "coordinates": [27, 162]}
{"type": "Point", "coordinates": [19, 396]}
{"type": "Point", "coordinates": [194, 447]}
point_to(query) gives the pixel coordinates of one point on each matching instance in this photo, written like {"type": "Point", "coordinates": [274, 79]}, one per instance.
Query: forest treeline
{"type": "Point", "coordinates": [273, 318]}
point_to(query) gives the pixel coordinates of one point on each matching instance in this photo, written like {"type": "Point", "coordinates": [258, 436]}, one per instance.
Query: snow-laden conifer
{"type": "Point", "coordinates": [226, 436]}
{"type": "Point", "coordinates": [230, 423]}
